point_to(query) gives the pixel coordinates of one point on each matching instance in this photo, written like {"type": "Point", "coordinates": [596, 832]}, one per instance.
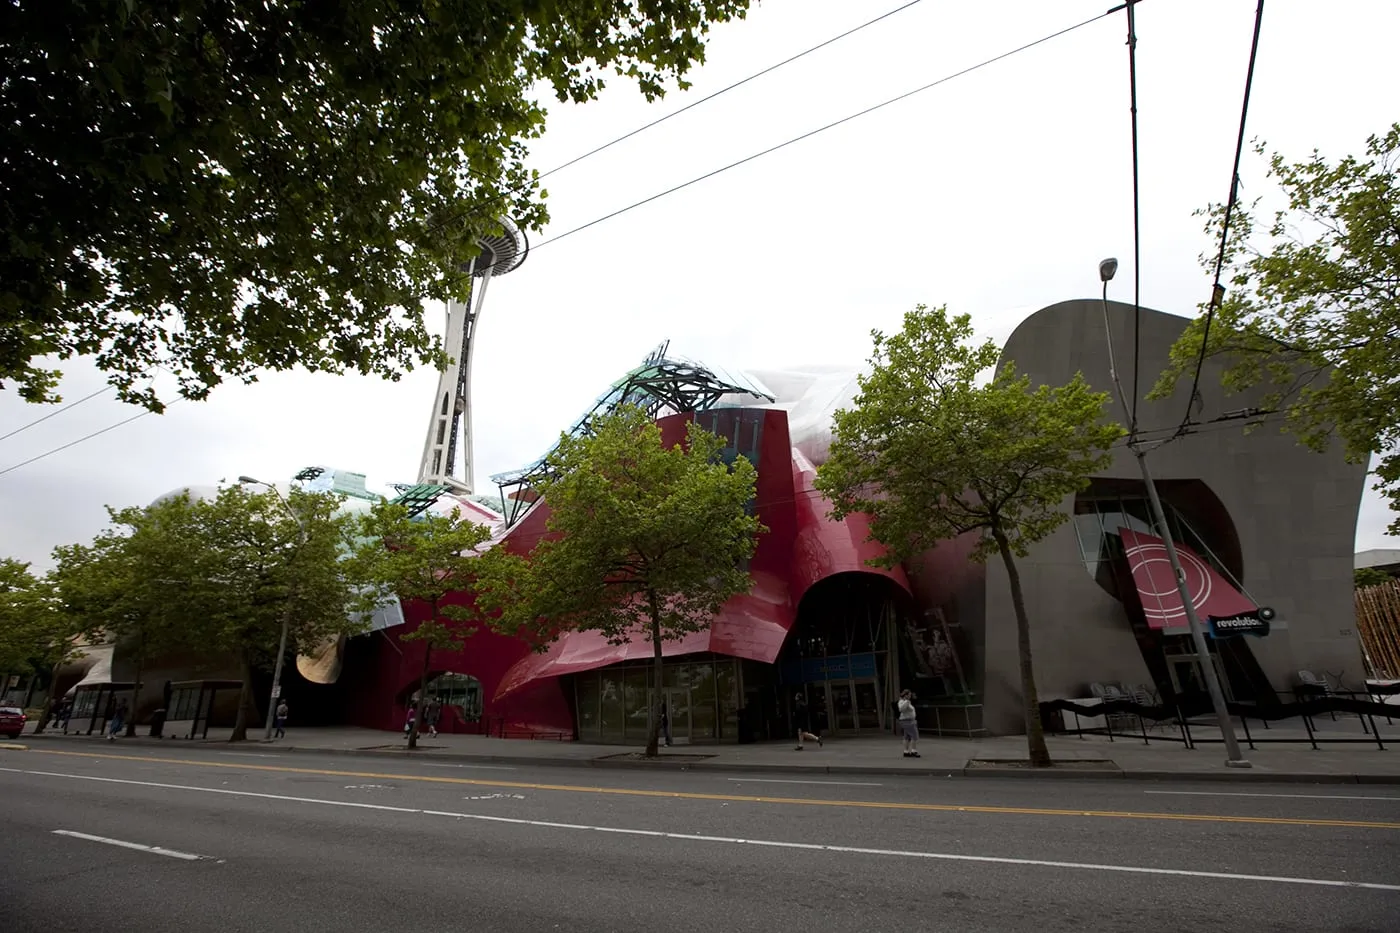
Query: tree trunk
{"type": "Point", "coordinates": [422, 697]}
{"type": "Point", "coordinates": [1035, 732]}
{"type": "Point", "coordinates": [654, 727]}
{"type": "Point", "coordinates": [136, 687]}
{"type": "Point", "coordinates": [47, 711]}
{"type": "Point", "coordinates": [247, 706]}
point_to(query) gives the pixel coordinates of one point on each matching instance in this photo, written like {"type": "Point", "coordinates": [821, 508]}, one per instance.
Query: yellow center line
{"type": "Point", "coordinates": [738, 798]}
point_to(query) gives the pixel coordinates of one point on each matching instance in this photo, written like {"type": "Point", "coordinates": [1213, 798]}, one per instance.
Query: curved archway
{"type": "Point", "coordinates": [843, 652]}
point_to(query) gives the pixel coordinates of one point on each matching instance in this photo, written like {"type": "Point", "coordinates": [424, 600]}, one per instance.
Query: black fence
{"type": "Point", "coordinates": [1180, 713]}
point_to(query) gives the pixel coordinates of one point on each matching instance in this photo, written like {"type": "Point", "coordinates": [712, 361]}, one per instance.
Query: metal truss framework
{"type": "Point", "coordinates": [661, 385]}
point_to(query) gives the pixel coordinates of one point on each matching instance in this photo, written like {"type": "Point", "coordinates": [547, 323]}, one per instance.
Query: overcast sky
{"type": "Point", "coordinates": [996, 193]}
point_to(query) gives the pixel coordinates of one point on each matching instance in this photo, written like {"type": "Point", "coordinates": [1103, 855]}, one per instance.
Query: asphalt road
{"type": "Point", "coordinates": [266, 841]}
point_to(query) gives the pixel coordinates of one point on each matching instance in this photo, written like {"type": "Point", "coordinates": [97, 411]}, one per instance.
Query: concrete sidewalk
{"type": "Point", "coordinates": [1089, 757]}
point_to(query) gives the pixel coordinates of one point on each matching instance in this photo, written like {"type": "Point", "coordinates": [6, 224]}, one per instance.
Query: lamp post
{"type": "Point", "coordinates": [1234, 758]}
{"type": "Point", "coordinates": [286, 611]}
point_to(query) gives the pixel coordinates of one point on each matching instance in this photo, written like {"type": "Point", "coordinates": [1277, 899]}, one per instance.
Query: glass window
{"type": "Point", "coordinates": [676, 675]}
{"type": "Point", "coordinates": [702, 702]}
{"type": "Point", "coordinates": [636, 703]}
{"type": "Point", "coordinates": [587, 694]}
{"type": "Point", "coordinates": [611, 717]}
{"type": "Point", "coordinates": [727, 692]}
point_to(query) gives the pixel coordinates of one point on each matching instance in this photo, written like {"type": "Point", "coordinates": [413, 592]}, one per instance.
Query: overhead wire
{"type": "Point", "coordinates": [518, 188]}
{"type": "Point", "coordinates": [1137, 225]}
{"type": "Point", "coordinates": [821, 129]}
{"type": "Point", "coordinates": [25, 427]}
{"type": "Point", "coordinates": [724, 90]}
{"type": "Point", "coordinates": [711, 174]}
{"type": "Point", "coordinates": [1216, 291]}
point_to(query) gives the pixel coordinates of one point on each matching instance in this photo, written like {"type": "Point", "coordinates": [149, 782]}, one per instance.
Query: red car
{"type": "Point", "coordinates": [12, 720]}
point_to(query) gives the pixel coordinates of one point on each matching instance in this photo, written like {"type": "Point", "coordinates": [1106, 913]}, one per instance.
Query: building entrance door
{"type": "Point", "coordinates": [854, 706]}
{"type": "Point", "coordinates": [678, 714]}
{"type": "Point", "coordinates": [870, 713]}
{"type": "Point", "coordinates": [842, 706]}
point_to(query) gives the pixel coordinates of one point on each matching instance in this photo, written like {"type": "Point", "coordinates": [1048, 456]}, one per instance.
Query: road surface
{"type": "Point", "coordinates": [198, 838]}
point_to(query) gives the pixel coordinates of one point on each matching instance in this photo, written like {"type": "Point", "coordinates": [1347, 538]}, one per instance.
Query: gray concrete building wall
{"type": "Point", "coordinates": [1294, 512]}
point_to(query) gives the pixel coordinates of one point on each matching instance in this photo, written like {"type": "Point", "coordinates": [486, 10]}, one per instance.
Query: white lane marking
{"type": "Point", "coordinates": [770, 843]}
{"type": "Point", "coordinates": [497, 797]}
{"type": "Point", "coordinates": [247, 755]}
{"type": "Point", "coordinates": [1231, 793]}
{"type": "Point", "coordinates": [434, 764]}
{"type": "Point", "coordinates": [154, 850]}
{"type": "Point", "coordinates": [779, 781]}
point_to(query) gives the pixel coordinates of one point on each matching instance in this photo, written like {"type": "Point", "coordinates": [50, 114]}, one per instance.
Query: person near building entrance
{"type": "Point", "coordinates": [431, 714]}
{"type": "Point", "coordinates": [802, 718]}
{"type": "Point", "coordinates": [408, 720]}
{"type": "Point", "coordinates": [665, 725]}
{"type": "Point", "coordinates": [909, 724]}
{"type": "Point", "coordinates": [280, 720]}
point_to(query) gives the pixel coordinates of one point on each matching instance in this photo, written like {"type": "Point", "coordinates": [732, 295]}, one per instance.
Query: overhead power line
{"type": "Point", "coordinates": [85, 437]}
{"type": "Point", "coordinates": [711, 174]}
{"type": "Point", "coordinates": [1216, 291]}
{"type": "Point", "coordinates": [25, 427]}
{"type": "Point", "coordinates": [822, 129]}
{"type": "Point", "coordinates": [724, 90]}
{"type": "Point", "coordinates": [1137, 225]}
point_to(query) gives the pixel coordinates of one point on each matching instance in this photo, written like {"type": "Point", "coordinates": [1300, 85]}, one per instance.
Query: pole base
{"type": "Point", "coordinates": [1242, 763]}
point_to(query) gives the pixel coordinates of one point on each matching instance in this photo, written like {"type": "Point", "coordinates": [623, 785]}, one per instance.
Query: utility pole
{"type": "Point", "coordinates": [1234, 758]}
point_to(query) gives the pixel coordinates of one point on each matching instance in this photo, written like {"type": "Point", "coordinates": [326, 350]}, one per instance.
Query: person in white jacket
{"type": "Point", "coordinates": [909, 724]}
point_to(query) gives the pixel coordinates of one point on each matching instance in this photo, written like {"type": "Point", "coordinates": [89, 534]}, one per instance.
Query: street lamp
{"type": "Point", "coordinates": [286, 612]}
{"type": "Point", "coordinates": [1234, 758]}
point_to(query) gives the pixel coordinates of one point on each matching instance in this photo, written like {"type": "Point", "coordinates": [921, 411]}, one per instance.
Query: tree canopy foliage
{"type": "Point", "coordinates": [35, 632]}
{"type": "Point", "coordinates": [422, 558]}
{"type": "Point", "coordinates": [644, 540]}
{"type": "Point", "coordinates": [929, 454]}
{"type": "Point", "coordinates": [219, 188]}
{"type": "Point", "coordinates": [216, 575]}
{"type": "Point", "coordinates": [1312, 315]}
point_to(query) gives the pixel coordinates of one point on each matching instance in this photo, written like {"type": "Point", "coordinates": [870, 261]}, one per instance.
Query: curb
{"type": "Point", "coordinates": [1252, 776]}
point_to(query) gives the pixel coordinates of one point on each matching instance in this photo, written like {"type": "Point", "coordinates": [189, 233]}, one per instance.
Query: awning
{"type": "Point", "coordinates": [1211, 594]}
{"type": "Point", "coordinates": [753, 625]}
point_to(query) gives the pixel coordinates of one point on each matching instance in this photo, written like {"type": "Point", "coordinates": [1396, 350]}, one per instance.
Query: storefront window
{"type": "Point", "coordinates": [588, 725]}
{"type": "Point", "coordinates": [702, 702]}
{"type": "Point", "coordinates": [727, 692]}
{"type": "Point", "coordinates": [637, 705]}
{"type": "Point", "coordinates": [612, 717]}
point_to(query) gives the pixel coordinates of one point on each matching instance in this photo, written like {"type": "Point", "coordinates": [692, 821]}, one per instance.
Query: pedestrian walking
{"type": "Point", "coordinates": [412, 715]}
{"type": "Point", "coordinates": [431, 714]}
{"type": "Point", "coordinates": [802, 718]}
{"type": "Point", "coordinates": [909, 724]}
{"type": "Point", "coordinates": [118, 721]}
{"type": "Point", "coordinates": [279, 720]}
{"type": "Point", "coordinates": [665, 724]}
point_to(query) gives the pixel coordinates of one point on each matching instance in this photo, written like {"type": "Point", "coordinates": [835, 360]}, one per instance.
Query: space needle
{"type": "Point", "coordinates": [451, 419]}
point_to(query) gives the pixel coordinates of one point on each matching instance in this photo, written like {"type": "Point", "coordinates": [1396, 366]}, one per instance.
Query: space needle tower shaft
{"type": "Point", "coordinates": [450, 426]}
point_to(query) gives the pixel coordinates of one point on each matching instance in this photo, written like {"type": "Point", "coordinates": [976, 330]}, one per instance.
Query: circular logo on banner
{"type": "Point", "coordinates": [1160, 585]}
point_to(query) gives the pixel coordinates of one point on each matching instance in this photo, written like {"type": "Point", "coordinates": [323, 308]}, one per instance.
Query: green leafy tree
{"type": "Point", "coordinates": [263, 563]}
{"type": "Point", "coordinates": [424, 558]}
{"type": "Point", "coordinates": [36, 634]}
{"type": "Point", "coordinates": [1371, 576]}
{"type": "Point", "coordinates": [1312, 316]}
{"type": "Point", "coordinates": [644, 540]}
{"type": "Point", "coordinates": [929, 454]}
{"type": "Point", "coordinates": [219, 188]}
